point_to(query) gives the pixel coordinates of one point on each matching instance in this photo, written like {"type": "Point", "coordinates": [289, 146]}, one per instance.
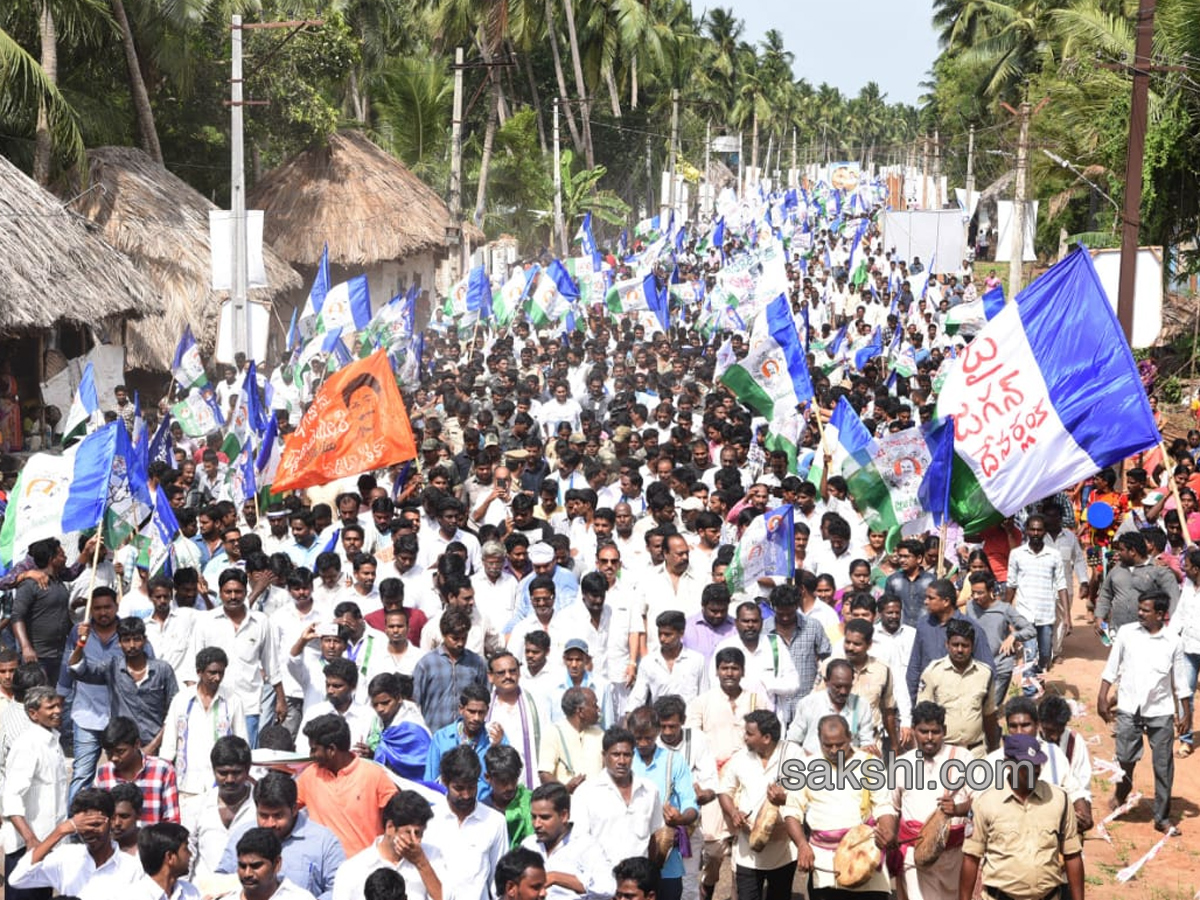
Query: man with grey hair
{"type": "Point", "coordinates": [572, 750]}
{"type": "Point", "coordinates": [36, 782]}
{"type": "Point", "coordinates": [495, 589]}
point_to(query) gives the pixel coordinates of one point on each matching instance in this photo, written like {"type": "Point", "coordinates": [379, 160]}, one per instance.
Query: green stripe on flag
{"type": "Point", "coordinates": [873, 499]}
{"type": "Point", "coordinates": [748, 390]}
{"type": "Point", "coordinates": [969, 505]}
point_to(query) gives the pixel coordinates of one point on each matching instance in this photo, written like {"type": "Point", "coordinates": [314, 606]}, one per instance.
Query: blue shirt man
{"type": "Point", "coordinates": [469, 728]}
{"type": "Point", "coordinates": [670, 773]}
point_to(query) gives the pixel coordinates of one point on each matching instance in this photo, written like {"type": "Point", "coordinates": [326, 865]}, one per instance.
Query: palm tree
{"type": "Point", "coordinates": [585, 117]}
{"type": "Point", "coordinates": [563, 94]}
{"type": "Point", "coordinates": [143, 112]}
{"type": "Point", "coordinates": [410, 102]}
{"type": "Point", "coordinates": [31, 100]}
{"type": "Point", "coordinates": [1013, 39]}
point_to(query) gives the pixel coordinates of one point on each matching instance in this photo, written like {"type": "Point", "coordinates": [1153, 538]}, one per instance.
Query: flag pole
{"type": "Point", "coordinates": [1174, 488]}
{"type": "Point", "coordinates": [87, 609]}
{"type": "Point", "coordinates": [941, 560]}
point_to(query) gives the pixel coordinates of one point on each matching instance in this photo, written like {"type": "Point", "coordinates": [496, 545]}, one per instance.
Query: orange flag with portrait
{"type": "Point", "coordinates": [357, 423]}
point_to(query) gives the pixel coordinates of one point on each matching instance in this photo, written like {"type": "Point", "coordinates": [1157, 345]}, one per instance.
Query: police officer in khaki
{"type": "Point", "coordinates": [962, 685]}
{"type": "Point", "coordinates": [1025, 838]}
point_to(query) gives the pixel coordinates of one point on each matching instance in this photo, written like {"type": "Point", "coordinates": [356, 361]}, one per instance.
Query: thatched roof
{"type": "Point", "coordinates": [161, 223]}
{"type": "Point", "coordinates": [55, 266]}
{"type": "Point", "coordinates": [366, 204]}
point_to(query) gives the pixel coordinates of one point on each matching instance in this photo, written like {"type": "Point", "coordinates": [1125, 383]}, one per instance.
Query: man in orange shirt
{"type": "Point", "coordinates": [341, 791]}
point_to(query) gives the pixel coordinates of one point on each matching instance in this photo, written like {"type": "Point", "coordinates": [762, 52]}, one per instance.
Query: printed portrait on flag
{"type": "Point", "coordinates": [357, 423]}
{"type": "Point", "coordinates": [844, 176]}
{"type": "Point", "coordinates": [902, 458]}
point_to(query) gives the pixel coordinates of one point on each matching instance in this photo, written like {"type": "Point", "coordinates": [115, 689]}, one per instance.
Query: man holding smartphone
{"type": "Point", "coordinates": [492, 507]}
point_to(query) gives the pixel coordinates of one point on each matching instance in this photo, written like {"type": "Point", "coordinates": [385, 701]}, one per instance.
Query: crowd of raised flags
{"type": "Point", "coordinates": [782, 318]}
{"type": "Point", "coordinates": [766, 243]}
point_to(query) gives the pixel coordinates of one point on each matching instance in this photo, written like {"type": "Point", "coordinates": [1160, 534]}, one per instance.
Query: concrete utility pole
{"type": "Point", "coordinates": [237, 200]}
{"type": "Point", "coordinates": [938, 200]}
{"type": "Point", "coordinates": [1132, 217]}
{"type": "Point", "coordinates": [925, 171]}
{"type": "Point", "coordinates": [1020, 194]}
{"type": "Point", "coordinates": [239, 294]}
{"type": "Point", "coordinates": [741, 166]}
{"type": "Point", "coordinates": [455, 203]}
{"type": "Point", "coordinates": [708, 185]}
{"type": "Point", "coordinates": [650, 204]}
{"type": "Point", "coordinates": [970, 183]}
{"type": "Point", "coordinates": [559, 227]}
{"type": "Point", "coordinates": [1017, 263]}
{"type": "Point", "coordinates": [793, 176]}
{"type": "Point", "coordinates": [674, 147]}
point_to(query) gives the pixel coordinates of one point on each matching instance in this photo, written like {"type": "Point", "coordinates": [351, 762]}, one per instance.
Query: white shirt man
{"type": "Point", "coordinates": [172, 640]}
{"type": "Point", "coordinates": [770, 669]}
{"type": "Point", "coordinates": [352, 874]}
{"type": "Point", "coordinates": [661, 595]}
{"type": "Point", "coordinates": [360, 717]}
{"type": "Point", "coordinates": [602, 817]}
{"type": "Point", "coordinates": [35, 783]}
{"type": "Point", "coordinates": [250, 650]}
{"type": "Point", "coordinates": [477, 843]}
{"type": "Point", "coordinates": [190, 730]}
{"type": "Point", "coordinates": [497, 599]}
{"type": "Point", "coordinates": [577, 857]}
{"type": "Point", "coordinates": [70, 871]}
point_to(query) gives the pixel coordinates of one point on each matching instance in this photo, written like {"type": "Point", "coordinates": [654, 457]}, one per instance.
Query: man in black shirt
{"type": "Point", "coordinates": [40, 616]}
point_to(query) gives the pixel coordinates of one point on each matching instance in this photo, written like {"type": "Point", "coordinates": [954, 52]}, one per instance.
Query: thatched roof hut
{"type": "Point", "coordinates": [365, 203]}
{"type": "Point", "coordinates": [56, 266]}
{"type": "Point", "coordinates": [161, 223]}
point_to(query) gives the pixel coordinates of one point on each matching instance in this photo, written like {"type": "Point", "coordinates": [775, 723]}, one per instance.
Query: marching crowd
{"type": "Point", "coordinates": [514, 668]}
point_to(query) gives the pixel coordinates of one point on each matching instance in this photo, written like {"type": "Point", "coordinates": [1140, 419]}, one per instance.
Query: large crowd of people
{"type": "Point", "coordinates": [513, 667]}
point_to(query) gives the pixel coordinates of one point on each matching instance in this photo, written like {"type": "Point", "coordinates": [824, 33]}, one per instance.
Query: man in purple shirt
{"type": "Point", "coordinates": [712, 624]}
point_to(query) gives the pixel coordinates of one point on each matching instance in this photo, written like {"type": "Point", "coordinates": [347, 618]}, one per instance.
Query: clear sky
{"type": "Point", "coordinates": [848, 43]}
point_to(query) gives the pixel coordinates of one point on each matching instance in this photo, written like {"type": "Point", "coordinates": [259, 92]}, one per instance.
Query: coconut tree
{"type": "Point", "coordinates": [31, 100]}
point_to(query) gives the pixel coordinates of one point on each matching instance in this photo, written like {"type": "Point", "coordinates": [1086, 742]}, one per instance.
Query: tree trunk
{"type": "Point", "coordinates": [358, 99]}
{"type": "Point", "coordinates": [137, 87]}
{"type": "Point", "coordinates": [537, 102]}
{"type": "Point", "coordinates": [493, 76]}
{"type": "Point", "coordinates": [633, 82]}
{"type": "Point", "coordinates": [585, 115]}
{"type": "Point", "coordinates": [613, 91]}
{"type": "Point", "coordinates": [754, 144]}
{"type": "Point", "coordinates": [563, 93]}
{"type": "Point", "coordinates": [485, 160]}
{"type": "Point", "coordinates": [43, 145]}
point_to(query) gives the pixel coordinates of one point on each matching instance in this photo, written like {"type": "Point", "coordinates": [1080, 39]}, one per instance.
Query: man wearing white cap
{"type": "Point", "coordinates": [566, 585]}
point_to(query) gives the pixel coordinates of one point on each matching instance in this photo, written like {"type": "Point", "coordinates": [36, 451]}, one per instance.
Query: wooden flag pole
{"type": "Point", "coordinates": [1162, 447]}
{"type": "Point", "coordinates": [941, 560]}
{"type": "Point", "coordinates": [87, 609]}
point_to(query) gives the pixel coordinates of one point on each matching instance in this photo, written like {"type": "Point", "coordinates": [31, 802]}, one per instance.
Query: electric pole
{"type": "Point", "coordinates": [1017, 261]}
{"type": "Point", "coordinates": [674, 147]}
{"type": "Point", "coordinates": [970, 183]}
{"type": "Point", "coordinates": [1020, 194]}
{"type": "Point", "coordinates": [455, 203]}
{"type": "Point", "coordinates": [937, 170]}
{"type": "Point", "coordinates": [559, 228]}
{"type": "Point", "coordinates": [708, 185]}
{"type": "Point", "coordinates": [239, 294]}
{"type": "Point", "coordinates": [237, 200]}
{"type": "Point", "coordinates": [793, 176]}
{"type": "Point", "coordinates": [1132, 216]}
{"type": "Point", "coordinates": [925, 171]}
{"type": "Point", "coordinates": [649, 180]}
